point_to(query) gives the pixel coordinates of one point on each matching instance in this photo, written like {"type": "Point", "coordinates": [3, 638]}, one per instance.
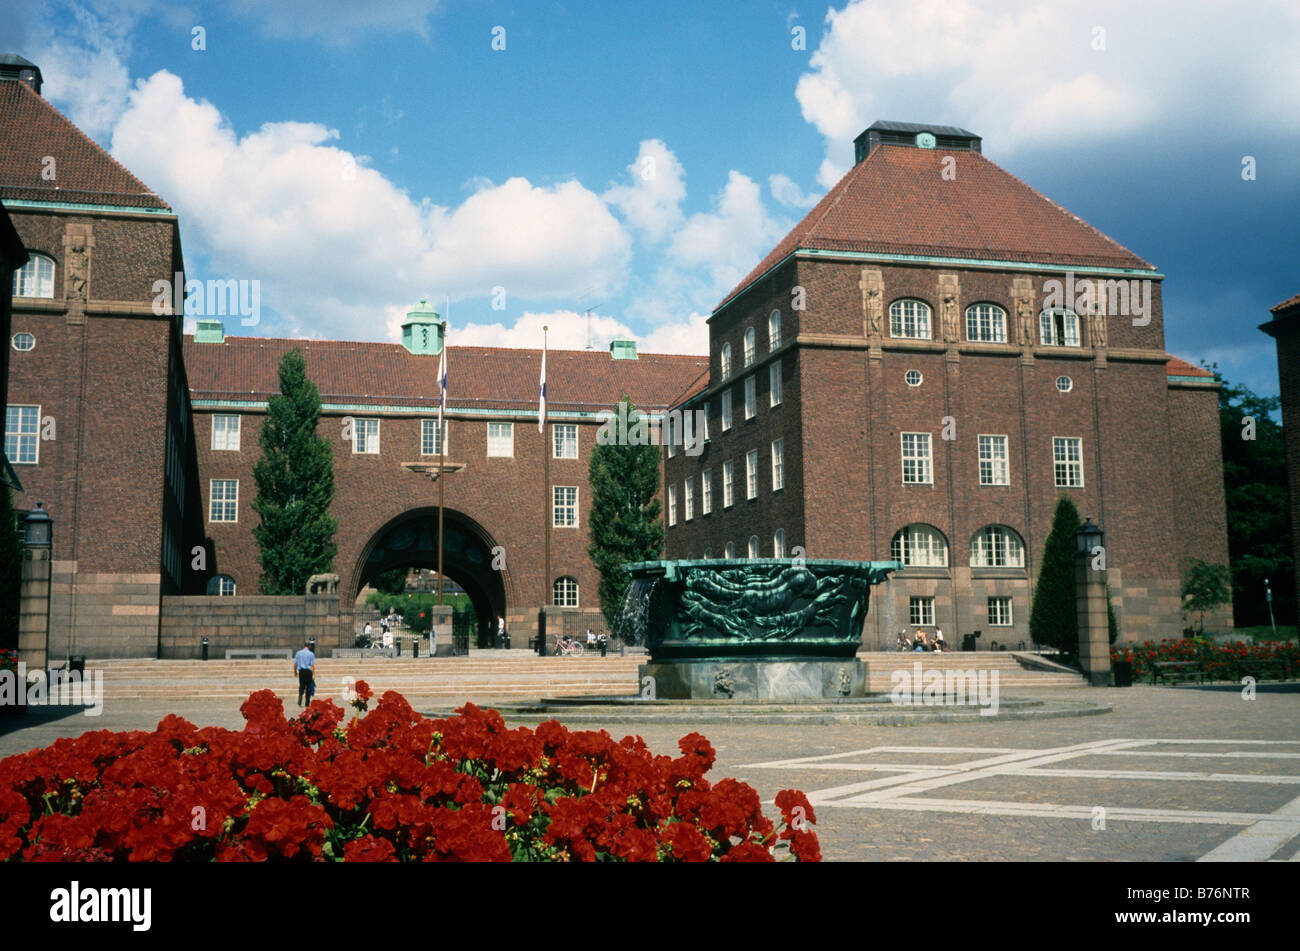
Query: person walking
{"type": "Point", "coordinates": [304, 667]}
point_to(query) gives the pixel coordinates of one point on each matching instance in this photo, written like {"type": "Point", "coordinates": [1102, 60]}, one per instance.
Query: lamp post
{"type": "Point", "coordinates": [34, 599]}
{"type": "Point", "coordinates": [1268, 597]}
{"type": "Point", "coordinates": [1090, 603]}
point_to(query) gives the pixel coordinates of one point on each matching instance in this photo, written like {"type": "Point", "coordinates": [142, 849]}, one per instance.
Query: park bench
{"type": "Point", "coordinates": [1168, 670]}
{"type": "Point", "coordinates": [260, 653]}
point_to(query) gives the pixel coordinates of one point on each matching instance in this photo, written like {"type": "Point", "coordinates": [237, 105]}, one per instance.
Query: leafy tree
{"type": "Point", "coordinates": [295, 486]}
{"type": "Point", "coordinates": [391, 582]}
{"type": "Point", "coordinates": [11, 570]}
{"type": "Point", "coordinates": [1255, 486]}
{"type": "Point", "coordinates": [1053, 620]}
{"type": "Point", "coordinates": [625, 524]}
{"type": "Point", "coordinates": [1205, 587]}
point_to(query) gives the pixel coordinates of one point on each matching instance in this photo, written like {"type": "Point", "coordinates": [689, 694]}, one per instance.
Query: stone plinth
{"type": "Point", "coordinates": [754, 679]}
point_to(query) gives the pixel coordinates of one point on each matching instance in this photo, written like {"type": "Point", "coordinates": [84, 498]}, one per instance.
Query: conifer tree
{"type": "Point", "coordinates": [1053, 621]}
{"type": "Point", "coordinates": [295, 485]}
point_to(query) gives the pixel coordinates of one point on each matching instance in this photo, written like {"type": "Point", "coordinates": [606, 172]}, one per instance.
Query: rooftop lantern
{"type": "Point", "coordinates": [423, 330]}
{"type": "Point", "coordinates": [38, 528]}
{"type": "Point", "coordinates": [1089, 537]}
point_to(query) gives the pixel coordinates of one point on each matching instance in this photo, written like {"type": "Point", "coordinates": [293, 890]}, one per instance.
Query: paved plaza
{"type": "Point", "coordinates": [1175, 774]}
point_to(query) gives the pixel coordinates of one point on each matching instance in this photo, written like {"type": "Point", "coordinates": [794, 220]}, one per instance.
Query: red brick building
{"type": "Point", "coordinates": [1285, 329]}
{"type": "Point", "coordinates": [929, 359]}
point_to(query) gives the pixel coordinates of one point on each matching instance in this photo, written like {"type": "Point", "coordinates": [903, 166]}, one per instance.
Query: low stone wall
{"type": "Point", "coordinates": [254, 621]}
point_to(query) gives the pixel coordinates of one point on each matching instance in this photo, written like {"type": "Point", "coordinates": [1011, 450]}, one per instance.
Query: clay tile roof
{"type": "Point", "coordinates": [1177, 367]}
{"type": "Point", "coordinates": [84, 173]}
{"type": "Point", "coordinates": [1289, 302]}
{"type": "Point", "coordinates": [897, 201]}
{"type": "Point", "coordinates": [485, 377]}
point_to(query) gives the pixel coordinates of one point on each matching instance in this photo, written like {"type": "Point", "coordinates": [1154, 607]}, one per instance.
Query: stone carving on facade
{"type": "Point", "coordinates": [77, 267]}
{"type": "Point", "coordinates": [948, 291]}
{"type": "Point", "coordinates": [723, 681]}
{"type": "Point", "coordinates": [1022, 294]}
{"type": "Point", "coordinates": [873, 310]}
{"type": "Point", "coordinates": [1099, 329]}
{"type": "Point", "coordinates": [846, 683]}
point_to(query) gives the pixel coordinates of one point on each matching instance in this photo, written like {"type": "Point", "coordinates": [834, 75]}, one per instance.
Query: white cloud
{"type": "Point", "coordinates": [652, 203]}
{"type": "Point", "coordinates": [729, 240]}
{"type": "Point", "coordinates": [688, 336]}
{"type": "Point", "coordinates": [788, 193]}
{"type": "Point", "coordinates": [567, 330]}
{"type": "Point", "coordinates": [336, 22]}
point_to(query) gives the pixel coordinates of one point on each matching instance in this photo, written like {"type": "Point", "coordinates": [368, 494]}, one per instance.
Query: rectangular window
{"type": "Point", "coordinates": [999, 612]}
{"type": "Point", "coordinates": [672, 506]}
{"type": "Point", "coordinates": [706, 492]}
{"type": "Point", "coordinates": [224, 496]}
{"type": "Point", "coordinates": [430, 438]}
{"type": "Point", "coordinates": [365, 436]}
{"type": "Point", "coordinates": [706, 419]}
{"type": "Point", "coordinates": [778, 464]}
{"type": "Point", "coordinates": [565, 506]}
{"type": "Point", "coordinates": [225, 432]}
{"type": "Point", "coordinates": [728, 483]}
{"type": "Point", "coordinates": [726, 409]}
{"type": "Point", "coordinates": [916, 459]}
{"type": "Point", "coordinates": [751, 474]}
{"type": "Point", "coordinates": [993, 460]}
{"type": "Point", "coordinates": [501, 439]}
{"type": "Point", "coordinates": [565, 436]}
{"type": "Point", "coordinates": [689, 499]}
{"type": "Point", "coordinates": [671, 435]}
{"type": "Point", "coordinates": [751, 397]}
{"type": "Point", "coordinates": [774, 383]}
{"type": "Point", "coordinates": [920, 612]}
{"type": "Point", "coordinates": [774, 330]}
{"type": "Point", "coordinates": [1059, 328]}
{"type": "Point", "coordinates": [22, 425]}
{"type": "Point", "coordinates": [1067, 455]}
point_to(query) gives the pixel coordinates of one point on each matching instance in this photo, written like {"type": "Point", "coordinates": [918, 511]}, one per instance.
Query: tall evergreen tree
{"type": "Point", "coordinates": [11, 570]}
{"type": "Point", "coordinates": [295, 486]}
{"type": "Point", "coordinates": [625, 524]}
{"type": "Point", "coordinates": [1053, 621]}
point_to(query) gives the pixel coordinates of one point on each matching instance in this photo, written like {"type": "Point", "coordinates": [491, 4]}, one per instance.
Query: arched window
{"type": "Point", "coordinates": [750, 346]}
{"type": "Point", "coordinates": [986, 323]}
{"type": "Point", "coordinates": [1059, 328]}
{"type": "Point", "coordinates": [221, 586]}
{"type": "Point", "coordinates": [774, 330]}
{"type": "Point", "coordinates": [726, 360]}
{"type": "Point", "coordinates": [909, 318]}
{"type": "Point", "coordinates": [778, 543]}
{"type": "Point", "coordinates": [35, 278]}
{"type": "Point", "coordinates": [996, 546]}
{"type": "Point", "coordinates": [730, 550]}
{"type": "Point", "coordinates": [920, 546]}
{"type": "Point", "coordinates": [566, 592]}
{"type": "Point", "coordinates": [753, 546]}
{"type": "Point", "coordinates": [708, 553]}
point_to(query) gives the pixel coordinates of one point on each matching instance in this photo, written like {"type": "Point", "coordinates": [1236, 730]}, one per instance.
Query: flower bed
{"type": "Point", "coordinates": [1221, 661]}
{"type": "Point", "coordinates": [388, 786]}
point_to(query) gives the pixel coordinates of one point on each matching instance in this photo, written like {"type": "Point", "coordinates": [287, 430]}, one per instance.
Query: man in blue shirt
{"type": "Point", "coordinates": [304, 665]}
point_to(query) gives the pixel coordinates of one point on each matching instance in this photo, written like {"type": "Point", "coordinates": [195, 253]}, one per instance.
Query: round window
{"type": "Point", "coordinates": [24, 341]}
{"type": "Point", "coordinates": [913, 377]}
{"type": "Point", "coordinates": [1064, 384]}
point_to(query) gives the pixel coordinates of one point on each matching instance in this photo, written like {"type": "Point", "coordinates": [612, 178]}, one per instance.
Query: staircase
{"type": "Point", "coordinates": [1011, 674]}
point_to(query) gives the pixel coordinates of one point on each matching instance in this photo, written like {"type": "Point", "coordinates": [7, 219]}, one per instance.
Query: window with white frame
{"type": "Point", "coordinates": [778, 543]}
{"type": "Point", "coordinates": [565, 438]}
{"type": "Point", "coordinates": [751, 474]}
{"type": "Point", "coordinates": [753, 546]}
{"type": "Point", "coordinates": [672, 506]}
{"type": "Point", "coordinates": [688, 499]}
{"type": "Point", "coordinates": [751, 397]}
{"type": "Point", "coordinates": [706, 419]}
{"type": "Point", "coordinates": [999, 612]}
{"type": "Point", "coordinates": [993, 460]}
{"type": "Point", "coordinates": [706, 491]}
{"type": "Point", "coordinates": [986, 323]}
{"type": "Point", "coordinates": [729, 551]}
{"type": "Point", "coordinates": [996, 546]}
{"type": "Point", "coordinates": [1067, 459]}
{"type": "Point", "coordinates": [1059, 328]}
{"type": "Point", "coordinates": [778, 464]}
{"type": "Point", "coordinates": [35, 278]}
{"type": "Point", "coordinates": [225, 432]}
{"type": "Point", "coordinates": [916, 459]}
{"type": "Point", "coordinates": [23, 341]}
{"type": "Point", "coordinates": [920, 546]}
{"type": "Point", "coordinates": [726, 409]}
{"type": "Point", "coordinates": [221, 586]}
{"type": "Point", "coordinates": [1064, 384]}
{"type": "Point", "coordinates": [501, 439]}
{"type": "Point", "coordinates": [774, 330]}
{"type": "Point", "coordinates": [565, 506]}
{"type": "Point", "coordinates": [430, 438]}
{"type": "Point", "coordinates": [728, 483]}
{"type": "Point", "coordinates": [22, 439]}
{"type": "Point", "coordinates": [750, 346]}
{"type": "Point", "coordinates": [774, 383]}
{"type": "Point", "coordinates": [365, 436]}
{"type": "Point", "coordinates": [566, 592]}
{"type": "Point", "coordinates": [920, 612]}
{"type": "Point", "coordinates": [223, 497]}
{"type": "Point", "coordinates": [671, 435]}
{"type": "Point", "coordinates": [725, 361]}
{"type": "Point", "coordinates": [909, 319]}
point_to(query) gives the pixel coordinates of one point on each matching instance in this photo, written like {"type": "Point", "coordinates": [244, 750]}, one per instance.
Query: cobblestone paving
{"type": "Point", "coordinates": [943, 792]}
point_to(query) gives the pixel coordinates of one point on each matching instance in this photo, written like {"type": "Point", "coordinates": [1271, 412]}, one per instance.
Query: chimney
{"type": "Point", "coordinates": [14, 67]}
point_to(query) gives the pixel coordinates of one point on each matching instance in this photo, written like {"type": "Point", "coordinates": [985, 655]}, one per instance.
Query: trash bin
{"type": "Point", "coordinates": [1123, 673]}
{"type": "Point", "coordinates": [968, 642]}
{"type": "Point", "coordinates": [77, 662]}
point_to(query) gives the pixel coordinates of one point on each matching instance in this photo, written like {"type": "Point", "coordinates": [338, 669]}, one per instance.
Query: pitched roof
{"type": "Point", "coordinates": [1289, 302]}
{"type": "Point", "coordinates": [484, 377]}
{"type": "Point", "coordinates": [85, 174]}
{"type": "Point", "coordinates": [1177, 367]}
{"type": "Point", "coordinates": [899, 201]}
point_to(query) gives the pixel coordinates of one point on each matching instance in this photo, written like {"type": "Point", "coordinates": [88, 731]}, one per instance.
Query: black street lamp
{"type": "Point", "coordinates": [1088, 538]}
{"type": "Point", "coordinates": [38, 528]}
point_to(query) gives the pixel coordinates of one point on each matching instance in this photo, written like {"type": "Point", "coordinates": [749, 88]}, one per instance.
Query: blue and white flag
{"type": "Point", "coordinates": [541, 403]}
{"type": "Point", "coordinates": [442, 392]}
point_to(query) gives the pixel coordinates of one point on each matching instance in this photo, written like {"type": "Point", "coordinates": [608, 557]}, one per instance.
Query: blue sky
{"type": "Point", "coordinates": [353, 159]}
